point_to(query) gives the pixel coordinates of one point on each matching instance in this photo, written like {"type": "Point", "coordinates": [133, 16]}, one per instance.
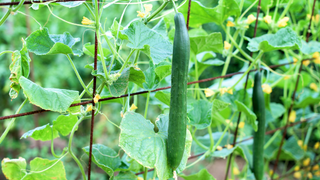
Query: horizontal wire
{"type": "Point", "coordinates": [143, 92]}
{"type": "Point", "coordinates": [247, 139]}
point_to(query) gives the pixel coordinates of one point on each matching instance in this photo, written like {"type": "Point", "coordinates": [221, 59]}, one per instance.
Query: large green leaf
{"type": "Point", "coordinates": [58, 100]}
{"type": "Point", "coordinates": [71, 4]}
{"type": "Point", "coordinates": [137, 76]}
{"type": "Point", "coordinates": [310, 47]}
{"type": "Point", "coordinates": [218, 105]}
{"type": "Point", "coordinates": [163, 70]}
{"type": "Point", "coordinates": [104, 157]}
{"type": "Point", "coordinates": [200, 115]}
{"type": "Point", "coordinates": [163, 97]}
{"type": "Point", "coordinates": [41, 42]}
{"type": "Point", "coordinates": [204, 65]}
{"type": "Point", "coordinates": [276, 111]}
{"type": "Point", "coordinates": [18, 67]}
{"type": "Point", "coordinates": [292, 149]}
{"type": "Point", "coordinates": [307, 101]}
{"type": "Point", "coordinates": [40, 169]}
{"type": "Point", "coordinates": [125, 176]}
{"type": "Point", "coordinates": [201, 175]}
{"type": "Point", "coordinates": [119, 87]}
{"type": "Point", "coordinates": [139, 140]}
{"type": "Point", "coordinates": [251, 117]}
{"type": "Point", "coordinates": [200, 14]}
{"type": "Point", "coordinates": [14, 169]}
{"type": "Point", "coordinates": [152, 80]}
{"type": "Point", "coordinates": [42, 133]}
{"type": "Point", "coordinates": [64, 124]}
{"type": "Point", "coordinates": [285, 38]}
{"type": "Point", "coordinates": [89, 49]}
{"type": "Point", "coordinates": [212, 42]}
{"type": "Point", "coordinates": [114, 30]}
{"type": "Point", "coordinates": [150, 42]}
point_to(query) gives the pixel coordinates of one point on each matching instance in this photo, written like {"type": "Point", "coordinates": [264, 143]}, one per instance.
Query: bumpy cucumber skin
{"type": "Point", "coordinates": [258, 137]}
{"type": "Point", "coordinates": [178, 102]}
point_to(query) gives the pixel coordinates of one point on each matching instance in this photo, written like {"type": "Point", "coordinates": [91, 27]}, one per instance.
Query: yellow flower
{"type": "Point", "coordinates": [235, 171]}
{"type": "Point", "coordinates": [300, 143]}
{"type": "Point", "coordinates": [310, 175]}
{"type": "Point", "coordinates": [230, 91]}
{"type": "Point", "coordinates": [251, 19]}
{"type": "Point", "coordinates": [295, 60]}
{"type": "Point", "coordinates": [266, 88]}
{"type": "Point", "coordinates": [96, 98]}
{"type": "Point", "coordinates": [316, 145]}
{"type": "Point", "coordinates": [241, 124]}
{"type": "Point", "coordinates": [89, 108]}
{"type": "Point", "coordinates": [270, 172]}
{"type": "Point", "coordinates": [121, 114]}
{"type": "Point", "coordinates": [267, 19]}
{"type": "Point", "coordinates": [148, 8]}
{"type": "Point", "coordinates": [317, 173]}
{"type": "Point", "coordinates": [229, 146]}
{"type": "Point", "coordinates": [225, 90]}
{"type": "Point", "coordinates": [297, 175]}
{"type": "Point", "coordinates": [292, 116]}
{"type": "Point", "coordinates": [306, 62]}
{"type": "Point", "coordinates": [208, 92]}
{"type": "Point", "coordinates": [305, 147]}
{"type": "Point", "coordinates": [306, 162]}
{"type": "Point", "coordinates": [227, 121]}
{"type": "Point", "coordinates": [315, 167]}
{"type": "Point", "coordinates": [219, 148]}
{"type": "Point", "coordinates": [227, 45]}
{"type": "Point", "coordinates": [230, 24]}
{"type": "Point", "coordinates": [283, 22]}
{"type": "Point", "coordinates": [297, 168]}
{"type": "Point", "coordinates": [141, 14]}
{"type": "Point", "coordinates": [316, 56]}
{"type": "Point", "coordinates": [139, 178]}
{"type": "Point", "coordinates": [86, 21]}
{"type": "Point", "coordinates": [133, 107]}
{"type": "Point", "coordinates": [286, 77]}
{"type": "Point", "coordinates": [314, 87]}
{"type": "Point", "coordinates": [317, 18]}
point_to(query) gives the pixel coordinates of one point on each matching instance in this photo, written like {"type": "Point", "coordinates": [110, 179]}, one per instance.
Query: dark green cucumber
{"type": "Point", "coordinates": [258, 137]}
{"type": "Point", "coordinates": [178, 101]}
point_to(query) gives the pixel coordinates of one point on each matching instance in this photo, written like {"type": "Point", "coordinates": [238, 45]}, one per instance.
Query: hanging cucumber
{"type": "Point", "coordinates": [258, 137]}
{"type": "Point", "coordinates": [178, 101]}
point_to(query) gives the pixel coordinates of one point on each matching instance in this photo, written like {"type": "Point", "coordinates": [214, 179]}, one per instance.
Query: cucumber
{"type": "Point", "coordinates": [177, 128]}
{"type": "Point", "coordinates": [258, 137]}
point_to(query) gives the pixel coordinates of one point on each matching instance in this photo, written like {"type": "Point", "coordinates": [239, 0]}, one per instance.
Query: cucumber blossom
{"type": "Point", "coordinates": [258, 137]}
{"type": "Point", "coordinates": [177, 128]}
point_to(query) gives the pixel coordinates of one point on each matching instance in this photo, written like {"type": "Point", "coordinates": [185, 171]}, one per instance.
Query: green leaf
{"type": "Point", "coordinates": [41, 42]}
{"type": "Point", "coordinates": [50, 169]}
{"type": "Point", "coordinates": [114, 30]}
{"type": "Point", "coordinates": [120, 86]}
{"type": "Point", "coordinates": [151, 43]}
{"type": "Point", "coordinates": [201, 175]}
{"type": "Point", "coordinates": [125, 176]}
{"type": "Point", "coordinates": [41, 169]}
{"type": "Point", "coordinates": [251, 117]}
{"type": "Point", "coordinates": [137, 76]}
{"type": "Point", "coordinates": [285, 38]}
{"type": "Point", "coordinates": [218, 105]}
{"type": "Point", "coordinates": [161, 28]}
{"type": "Point", "coordinates": [152, 80]}
{"type": "Point", "coordinates": [205, 140]}
{"type": "Point", "coordinates": [64, 124]}
{"type": "Point", "coordinates": [292, 149]}
{"type": "Point", "coordinates": [75, 109]}
{"type": "Point", "coordinates": [89, 49]}
{"type": "Point", "coordinates": [310, 47]}
{"type": "Point", "coordinates": [163, 70]}
{"type": "Point", "coordinates": [19, 67]}
{"type": "Point", "coordinates": [212, 42]}
{"type": "Point", "coordinates": [14, 169]}
{"type": "Point", "coordinates": [42, 133]}
{"type": "Point", "coordinates": [204, 65]}
{"type": "Point", "coordinates": [139, 140]}
{"type": "Point", "coordinates": [307, 101]}
{"type": "Point", "coordinates": [202, 15]}
{"type": "Point", "coordinates": [71, 4]}
{"type": "Point", "coordinates": [104, 157]}
{"type": "Point", "coordinates": [163, 97]}
{"type": "Point", "coordinates": [200, 115]}
{"type": "Point", "coordinates": [58, 100]}
{"type": "Point", "coordinates": [276, 111]}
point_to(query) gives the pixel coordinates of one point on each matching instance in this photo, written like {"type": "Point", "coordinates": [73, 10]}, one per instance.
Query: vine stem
{"type": "Point", "coordinates": [78, 75]}
{"type": "Point", "coordinates": [174, 6]}
{"type": "Point", "coordinates": [163, 5]}
{"type": "Point", "coordinates": [145, 174]}
{"type": "Point", "coordinates": [3, 52]}
{"type": "Point", "coordinates": [70, 148]}
{"type": "Point", "coordinates": [4, 134]}
{"type": "Point", "coordinates": [126, 62]}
